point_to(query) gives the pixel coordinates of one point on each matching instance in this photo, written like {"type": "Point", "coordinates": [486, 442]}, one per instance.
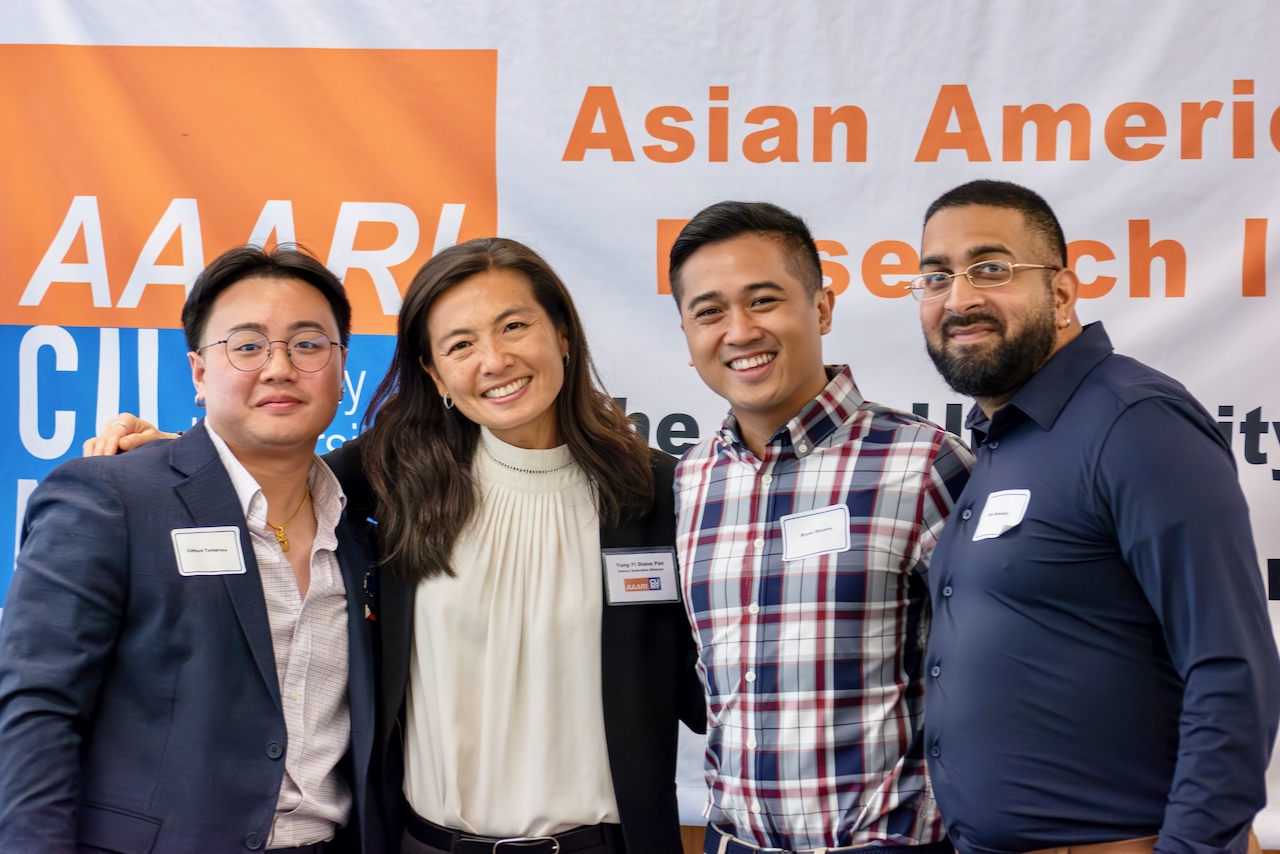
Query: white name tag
{"type": "Point", "coordinates": [1004, 510]}
{"type": "Point", "coordinates": [636, 576]}
{"type": "Point", "coordinates": [815, 532]}
{"type": "Point", "coordinates": [208, 551]}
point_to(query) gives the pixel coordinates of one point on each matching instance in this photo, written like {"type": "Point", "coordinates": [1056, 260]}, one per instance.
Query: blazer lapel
{"type": "Point", "coordinates": [396, 601]}
{"type": "Point", "coordinates": [355, 564]}
{"type": "Point", "coordinates": [613, 627]}
{"type": "Point", "coordinates": [212, 502]}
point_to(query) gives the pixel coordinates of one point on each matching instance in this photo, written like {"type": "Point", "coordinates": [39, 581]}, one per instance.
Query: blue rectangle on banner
{"type": "Point", "coordinates": [69, 378]}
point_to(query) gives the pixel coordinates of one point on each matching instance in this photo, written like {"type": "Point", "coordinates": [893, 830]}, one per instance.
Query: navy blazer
{"type": "Point", "coordinates": [140, 708]}
{"type": "Point", "coordinates": [648, 662]}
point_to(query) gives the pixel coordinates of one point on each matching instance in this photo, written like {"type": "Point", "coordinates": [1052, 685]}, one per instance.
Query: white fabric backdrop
{"type": "Point", "coordinates": [597, 219]}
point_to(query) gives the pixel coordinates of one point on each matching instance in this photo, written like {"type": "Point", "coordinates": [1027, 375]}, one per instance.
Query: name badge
{"type": "Point", "coordinates": [815, 532]}
{"type": "Point", "coordinates": [637, 576]}
{"type": "Point", "coordinates": [1003, 511]}
{"type": "Point", "coordinates": [208, 551]}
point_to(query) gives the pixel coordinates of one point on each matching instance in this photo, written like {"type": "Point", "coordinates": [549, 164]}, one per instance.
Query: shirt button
{"type": "Point", "coordinates": [993, 445]}
{"type": "Point", "coordinates": [751, 676]}
{"type": "Point", "coordinates": [274, 750]}
{"type": "Point", "coordinates": [751, 743]}
{"type": "Point", "coordinates": [753, 608]}
{"type": "Point", "coordinates": [804, 449]}
{"type": "Point", "coordinates": [755, 808]}
{"type": "Point", "coordinates": [936, 670]}
{"type": "Point", "coordinates": [759, 543]}
{"type": "Point", "coordinates": [767, 479]}
{"type": "Point", "coordinates": [946, 591]}
{"type": "Point", "coordinates": [935, 751]}
{"type": "Point", "coordinates": [253, 842]}
{"type": "Point", "coordinates": [966, 514]}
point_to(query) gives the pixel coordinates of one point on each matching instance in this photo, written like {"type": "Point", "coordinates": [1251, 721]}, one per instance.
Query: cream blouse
{"type": "Point", "coordinates": [505, 722]}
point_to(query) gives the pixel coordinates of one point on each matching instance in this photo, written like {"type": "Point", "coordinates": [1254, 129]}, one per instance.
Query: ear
{"type": "Point", "coordinates": [824, 301]}
{"type": "Point", "coordinates": [431, 371]}
{"type": "Point", "coordinates": [688, 342]}
{"type": "Point", "coordinates": [1066, 290]}
{"type": "Point", "coordinates": [197, 371]}
{"type": "Point", "coordinates": [562, 332]}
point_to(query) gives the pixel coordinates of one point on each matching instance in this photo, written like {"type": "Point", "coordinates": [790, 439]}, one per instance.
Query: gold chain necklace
{"type": "Point", "coordinates": [279, 529]}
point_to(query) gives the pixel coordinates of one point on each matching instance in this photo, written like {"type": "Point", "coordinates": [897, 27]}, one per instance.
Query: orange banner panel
{"type": "Point", "coordinates": [125, 169]}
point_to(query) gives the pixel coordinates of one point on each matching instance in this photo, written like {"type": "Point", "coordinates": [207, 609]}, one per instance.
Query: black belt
{"type": "Point", "coordinates": [315, 848]}
{"type": "Point", "coordinates": [461, 842]}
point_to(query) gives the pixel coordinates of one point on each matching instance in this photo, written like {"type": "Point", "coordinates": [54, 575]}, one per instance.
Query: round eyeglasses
{"type": "Point", "coordinates": [308, 351]}
{"type": "Point", "coordinates": [984, 274]}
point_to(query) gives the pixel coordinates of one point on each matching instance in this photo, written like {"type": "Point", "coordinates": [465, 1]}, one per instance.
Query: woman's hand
{"type": "Point", "coordinates": [123, 433]}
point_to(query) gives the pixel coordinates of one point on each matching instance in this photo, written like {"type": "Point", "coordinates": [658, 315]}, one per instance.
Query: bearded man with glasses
{"type": "Point", "coordinates": [1102, 671]}
{"type": "Point", "coordinates": [186, 655]}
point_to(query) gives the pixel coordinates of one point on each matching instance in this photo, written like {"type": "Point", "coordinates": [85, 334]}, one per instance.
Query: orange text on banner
{"type": "Point", "coordinates": [127, 168]}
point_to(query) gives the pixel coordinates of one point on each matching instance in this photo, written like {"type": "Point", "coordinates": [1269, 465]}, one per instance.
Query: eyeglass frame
{"type": "Point", "coordinates": [288, 354]}
{"type": "Point", "coordinates": [915, 284]}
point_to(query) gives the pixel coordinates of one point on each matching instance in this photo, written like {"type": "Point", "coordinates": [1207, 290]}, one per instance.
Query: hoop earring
{"type": "Point", "coordinates": [448, 401]}
{"type": "Point", "coordinates": [566, 360]}
{"type": "Point", "coordinates": [199, 401]}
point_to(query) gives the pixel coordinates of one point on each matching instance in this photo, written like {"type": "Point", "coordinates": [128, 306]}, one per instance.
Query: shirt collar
{"type": "Point", "coordinates": [327, 497]}
{"type": "Point", "coordinates": [821, 417]}
{"type": "Point", "coordinates": [1045, 395]}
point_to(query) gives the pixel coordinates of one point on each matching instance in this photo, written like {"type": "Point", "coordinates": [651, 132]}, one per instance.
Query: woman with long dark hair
{"type": "Point", "coordinates": [516, 702]}
{"type": "Point", "coordinates": [497, 469]}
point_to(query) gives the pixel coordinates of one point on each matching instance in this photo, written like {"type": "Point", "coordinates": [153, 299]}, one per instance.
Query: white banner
{"type": "Point", "coordinates": [142, 138]}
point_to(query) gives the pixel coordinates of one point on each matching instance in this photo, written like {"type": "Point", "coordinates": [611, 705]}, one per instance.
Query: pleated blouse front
{"type": "Point", "coordinates": [505, 724]}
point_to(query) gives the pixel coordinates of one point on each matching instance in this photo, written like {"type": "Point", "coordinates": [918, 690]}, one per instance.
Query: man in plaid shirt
{"type": "Point", "coordinates": [805, 525]}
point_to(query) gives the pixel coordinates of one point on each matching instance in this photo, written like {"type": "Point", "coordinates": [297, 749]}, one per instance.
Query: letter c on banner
{"type": "Point", "coordinates": [67, 358]}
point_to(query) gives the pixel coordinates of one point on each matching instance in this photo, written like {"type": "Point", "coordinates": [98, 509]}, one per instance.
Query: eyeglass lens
{"type": "Point", "coordinates": [308, 350]}
{"type": "Point", "coordinates": [984, 274]}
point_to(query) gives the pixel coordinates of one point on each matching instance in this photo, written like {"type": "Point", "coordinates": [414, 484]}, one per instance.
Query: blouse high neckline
{"type": "Point", "coordinates": [529, 470]}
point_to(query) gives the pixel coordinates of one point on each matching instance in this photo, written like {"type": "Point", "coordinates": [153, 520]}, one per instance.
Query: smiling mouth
{"type": "Point", "coordinates": [508, 389]}
{"type": "Point", "coordinates": [752, 362]}
{"type": "Point", "coordinates": [971, 330]}
{"type": "Point", "coordinates": [971, 326]}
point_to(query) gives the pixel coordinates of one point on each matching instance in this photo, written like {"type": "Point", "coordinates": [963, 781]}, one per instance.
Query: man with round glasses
{"type": "Point", "coordinates": [186, 654]}
{"type": "Point", "coordinates": [1102, 671]}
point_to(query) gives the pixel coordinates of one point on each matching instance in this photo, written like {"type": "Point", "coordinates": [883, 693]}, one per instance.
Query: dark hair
{"type": "Point", "coordinates": [287, 261]}
{"type": "Point", "coordinates": [418, 455]}
{"type": "Point", "coordinates": [727, 220]}
{"type": "Point", "coordinates": [1035, 211]}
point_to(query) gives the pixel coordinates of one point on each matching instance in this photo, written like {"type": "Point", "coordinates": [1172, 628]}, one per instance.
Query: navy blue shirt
{"type": "Point", "coordinates": [1105, 669]}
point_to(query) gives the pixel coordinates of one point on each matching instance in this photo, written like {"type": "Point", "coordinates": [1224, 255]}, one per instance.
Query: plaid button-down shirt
{"type": "Point", "coordinates": [812, 667]}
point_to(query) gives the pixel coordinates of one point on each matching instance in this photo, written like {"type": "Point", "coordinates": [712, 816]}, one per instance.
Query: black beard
{"type": "Point", "coordinates": [999, 371]}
